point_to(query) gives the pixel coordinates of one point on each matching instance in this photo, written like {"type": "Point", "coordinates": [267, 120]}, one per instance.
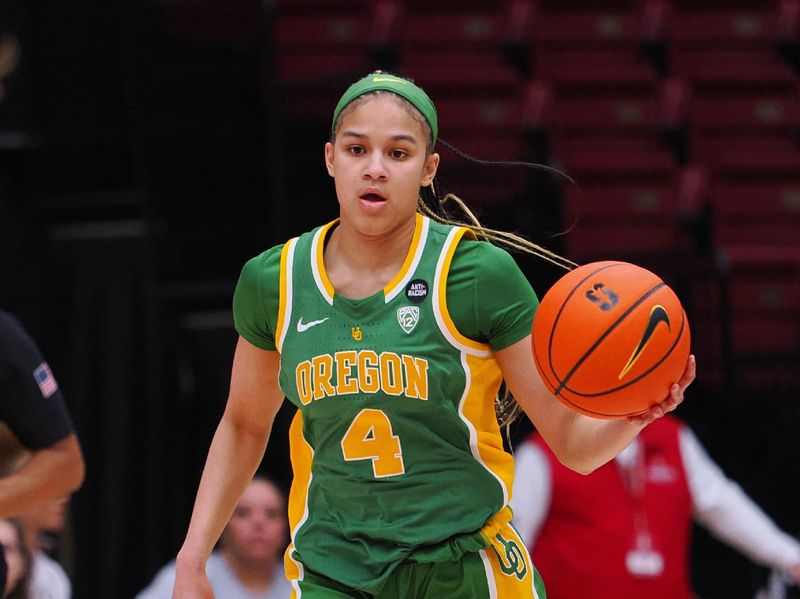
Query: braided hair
{"type": "Point", "coordinates": [431, 204]}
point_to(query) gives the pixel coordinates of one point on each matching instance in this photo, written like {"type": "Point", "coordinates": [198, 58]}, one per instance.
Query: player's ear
{"type": "Point", "coordinates": [329, 158]}
{"type": "Point", "coordinates": [429, 170]}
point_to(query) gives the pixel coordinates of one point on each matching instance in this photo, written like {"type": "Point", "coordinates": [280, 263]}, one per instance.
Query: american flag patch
{"type": "Point", "coordinates": [45, 379]}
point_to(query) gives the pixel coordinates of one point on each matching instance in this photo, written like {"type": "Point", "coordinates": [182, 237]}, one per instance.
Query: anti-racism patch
{"type": "Point", "coordinates": [417, 291]}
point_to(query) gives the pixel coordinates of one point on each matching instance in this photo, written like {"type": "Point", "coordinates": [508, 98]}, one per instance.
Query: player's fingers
{"type": "Point", "coordinates": [647, 417]}
{"type": "Point", "coordinates": [689, 373]}
{"type": "Point", "coordinates": [672, 401]}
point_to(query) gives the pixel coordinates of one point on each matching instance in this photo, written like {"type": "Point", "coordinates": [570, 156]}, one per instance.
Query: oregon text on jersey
{"type": "Point", "coordinates": [363, 371]}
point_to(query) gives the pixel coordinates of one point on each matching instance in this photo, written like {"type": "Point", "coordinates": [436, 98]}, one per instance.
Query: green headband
{"type": "Point", "coordinates": [397, 85]}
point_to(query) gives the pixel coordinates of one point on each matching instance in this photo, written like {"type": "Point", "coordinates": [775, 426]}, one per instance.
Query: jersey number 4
{"type": "Point", "coordinates": [370, 437]}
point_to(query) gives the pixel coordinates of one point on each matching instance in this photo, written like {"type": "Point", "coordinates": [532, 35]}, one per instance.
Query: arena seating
{"type": "Point", "coordinates": [678, 119]}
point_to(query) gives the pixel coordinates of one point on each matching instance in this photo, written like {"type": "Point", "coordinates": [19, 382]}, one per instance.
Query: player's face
{"type": "Point", "coordinates": [256, 531]}
{"type": "Point", "coordinates": [14, 560]}
{"type": "Point", "coordinates": [378, 161]}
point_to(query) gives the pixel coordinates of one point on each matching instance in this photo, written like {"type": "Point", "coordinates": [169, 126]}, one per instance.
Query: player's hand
{"type": "Point", "coordinates": [672, 401]}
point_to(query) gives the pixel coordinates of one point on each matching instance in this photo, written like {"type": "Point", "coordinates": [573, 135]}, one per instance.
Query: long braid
{"type": "Point", "coordinates": [430, 204]}
{"type": "Point", "coordinates": [541, 167]}
{"type": "Point", "coordinates": [507, 410]}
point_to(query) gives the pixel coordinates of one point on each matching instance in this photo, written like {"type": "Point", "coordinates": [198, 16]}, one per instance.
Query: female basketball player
{"type": "Point", "coordinates": [391, 331]}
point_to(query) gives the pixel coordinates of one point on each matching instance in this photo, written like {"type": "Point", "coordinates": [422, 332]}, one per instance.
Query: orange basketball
{"type": "Point", "coordinates": [610, 339]}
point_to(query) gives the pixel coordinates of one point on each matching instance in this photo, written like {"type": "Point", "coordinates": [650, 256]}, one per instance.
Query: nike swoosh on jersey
{"type": "Point", "coordinates": [304, 326]}
{"type": "Point", "coordinates": [657, 314]}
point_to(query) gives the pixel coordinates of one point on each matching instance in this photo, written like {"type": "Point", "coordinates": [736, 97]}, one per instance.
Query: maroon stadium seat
{"type": "Point", "coordinates": [322, 46]}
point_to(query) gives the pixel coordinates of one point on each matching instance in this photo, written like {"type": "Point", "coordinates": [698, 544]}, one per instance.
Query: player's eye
{"type": "Point", "coordinates": [398, 154]}
{"type": "Point", "coordinates": [356, 150]}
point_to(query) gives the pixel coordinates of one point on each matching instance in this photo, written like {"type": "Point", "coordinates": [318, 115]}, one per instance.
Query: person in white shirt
{"type": "Point", "coordinates": [543, 514]}
{"type": "Point", "coordinates": [248, 563]}
{"type": "Point", "coordinates": [48, 578]}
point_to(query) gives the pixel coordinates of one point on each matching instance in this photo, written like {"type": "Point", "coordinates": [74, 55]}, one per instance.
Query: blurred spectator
{"type": "Point", "coordinates": [624, 530]}
{"type": "Point", "coordinates": [40, 458]}
{"type": "Point", "coordinates": [779, 585]}
{"type": "Point", "coordinates": [48, 579]}
{"type": "Point", "coordinates": [18, 559]}
{"type": "Point", "coordinates": [248, 563]}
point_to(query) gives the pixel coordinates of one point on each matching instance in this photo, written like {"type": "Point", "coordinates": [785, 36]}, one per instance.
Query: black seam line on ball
{"type": "Point", "coordinates": [561, 309]}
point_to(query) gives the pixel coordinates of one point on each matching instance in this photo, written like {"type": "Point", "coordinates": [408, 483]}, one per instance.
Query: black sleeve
{"type": "Point", "coordinates": [31, 404]}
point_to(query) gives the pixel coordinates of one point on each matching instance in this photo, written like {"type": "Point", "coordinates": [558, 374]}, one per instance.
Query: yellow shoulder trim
{"type": "Point", "coordinates": [446, 323]}
{"type": "Point", "coordinates": [285, 293]}
{"type": "Point", "coordinates": [318, 262]}
{"type": "Point", "coordinates": [396, 285]}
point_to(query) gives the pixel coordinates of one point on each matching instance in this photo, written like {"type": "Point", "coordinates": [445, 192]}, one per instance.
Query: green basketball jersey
{"type": "Point", "coordinates": [395, 446]}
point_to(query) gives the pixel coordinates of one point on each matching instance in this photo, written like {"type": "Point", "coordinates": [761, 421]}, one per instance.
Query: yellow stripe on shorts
{"type": "Point", "coordinates": [509, 570]}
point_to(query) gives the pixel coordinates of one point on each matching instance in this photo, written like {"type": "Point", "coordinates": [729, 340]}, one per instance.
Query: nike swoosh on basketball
{"type": "Point", "coordinates": [304, 326]}
{"type": "Point", "coordinates": [657, 314]}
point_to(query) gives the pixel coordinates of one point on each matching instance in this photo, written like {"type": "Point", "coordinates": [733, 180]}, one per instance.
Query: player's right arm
{"type": "Point", "coordinates": [236, 451]}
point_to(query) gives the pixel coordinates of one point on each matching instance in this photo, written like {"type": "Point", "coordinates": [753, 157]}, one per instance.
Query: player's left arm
{"type": "Point", "coordinates": [580, 443]}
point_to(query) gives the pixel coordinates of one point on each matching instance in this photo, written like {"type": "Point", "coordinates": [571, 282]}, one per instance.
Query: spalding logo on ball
{"type": "Point", "coordinates": [610, 339]}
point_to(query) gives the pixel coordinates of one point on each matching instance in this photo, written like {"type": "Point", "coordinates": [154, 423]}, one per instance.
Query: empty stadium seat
{"type": "Point", "coordinates": [630, 209]}
{"type": "Point", "coordinates": [321, 47]}
{"type": "Point", "coordinates": [729, 115]}
{"type": "Point", "coordinates": [467, 35]}
{"type": "Point", "coordinates": [563, 38]}
{"type": "Point", "coordinates": [755, 200]}
{"type": "Point", "coordinates": [587, 4]}
{"type": "Point", "coordinates": [729, 36]}
{"type": "Point", "coordinates": [761, 318]}
{"type": "Point", "coordinates": [609, 111]}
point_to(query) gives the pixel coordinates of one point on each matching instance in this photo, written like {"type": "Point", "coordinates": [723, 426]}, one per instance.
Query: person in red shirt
{"type": "Point", "coordinates": [624, 530]}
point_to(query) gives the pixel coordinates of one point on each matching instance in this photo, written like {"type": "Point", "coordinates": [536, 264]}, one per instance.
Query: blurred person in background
{"type": "Point", "coordinates": [248, 564]}
{"type": "Point", "coordinates": [48, 578]}
{"type": "Point", "coordinates": [40, 457]}
{"type": "Point", "coordinates": [17, 558]}
{"type": "Point", "coordinates": [779, 585]}
{"type": "Point", "coordinates": [624, 530]}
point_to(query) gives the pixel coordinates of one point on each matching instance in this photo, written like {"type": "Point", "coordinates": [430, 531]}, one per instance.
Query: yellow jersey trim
{"type": "Point", "coordinates": [413, 256]}
{"type": "Point", "coordinates": [318, 262]}
{"type": "Point", "coordinates": [285, 293]}
{"type": "Point", "coordinates": [443, 317]}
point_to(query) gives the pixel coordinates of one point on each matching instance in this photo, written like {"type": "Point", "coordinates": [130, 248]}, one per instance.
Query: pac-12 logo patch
{"type": "Point", "coordinates": [408, 317]}
{"type": "Point", "coordinates": [417, 291]}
